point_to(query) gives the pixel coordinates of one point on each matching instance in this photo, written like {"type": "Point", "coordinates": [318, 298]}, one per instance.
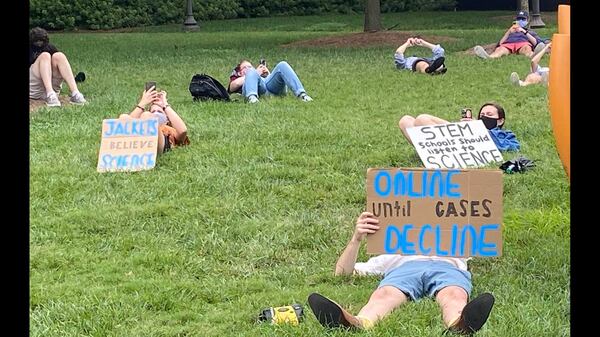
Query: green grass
{"type": "Point", "coordinates": [255, 212]}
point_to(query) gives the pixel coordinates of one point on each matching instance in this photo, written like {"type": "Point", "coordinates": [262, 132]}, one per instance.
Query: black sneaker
{"type": "Point", "coordinates": [435, 64]}
{"type": "Point", "coordinates": [474, 315]}
{"type": "Point", "coordinates": [80, 77]}
{"type": "Point", "coordinates": [331, 314]}
{"type": "Point", "coordinates": [441, 71]}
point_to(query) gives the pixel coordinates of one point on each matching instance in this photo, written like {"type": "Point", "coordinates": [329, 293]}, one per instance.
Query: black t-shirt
{"type": "Point", "coordinates": [34, 52]}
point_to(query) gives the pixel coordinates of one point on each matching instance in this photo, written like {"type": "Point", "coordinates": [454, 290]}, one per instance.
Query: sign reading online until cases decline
{"type": "Point", "coordinates": [454, 213]}
{"type": "Point", "coordinates": [454, 145]}
{"type": "Point", "coordinates": [128, 145]}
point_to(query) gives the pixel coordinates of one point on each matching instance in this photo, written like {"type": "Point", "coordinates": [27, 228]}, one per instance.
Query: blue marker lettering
{"type": "Point", "coordinates": [399, 180]}
{"type": "Point", "coordinates": [106, 160]}
{"type": "Point", "coordinates": [111, 128]}
{"type": "Point", "coordinates": [152, 127]}
{"type": "Point", "coordinates": [463, 239]}
{"type": "Point", "coordinates": [450, 185]}
{"type": "Point", "coordinates": [436, 174]}
{"type": "Point", "coordinates": [421, 237]}
{"type": "Point", "coordinates": [388, 239]}
{"type": "Point", "coordinates": [483, 245]}
{"type": "Point", "coordinates": [412, 193]}
{"type": "Point", "coordinates": [379, 176]}
{"type": "Point", "coordinates": [453, 241]}
{"type": "Point", "coordinates": [438, 239]}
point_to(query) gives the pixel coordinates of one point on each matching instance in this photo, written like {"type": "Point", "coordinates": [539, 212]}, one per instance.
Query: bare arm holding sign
{"type": "Point", "coordinates": [366, 223]}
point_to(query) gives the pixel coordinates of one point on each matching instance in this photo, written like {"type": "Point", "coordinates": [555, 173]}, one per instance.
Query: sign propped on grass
{"type": "Point", "coordinates": [454, 145]}
{"type": "Point", "coordinates": [128, 145]}
{"type": "Point", "coordinates": [435, 212]}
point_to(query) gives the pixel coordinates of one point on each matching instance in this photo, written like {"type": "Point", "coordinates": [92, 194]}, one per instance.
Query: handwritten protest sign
{"type": "Point", "coordinates": [435, 212]}
{"type": "Point", "coordinates": [128, 145]}
{"type": "Point", "coordinates": [454, 145]}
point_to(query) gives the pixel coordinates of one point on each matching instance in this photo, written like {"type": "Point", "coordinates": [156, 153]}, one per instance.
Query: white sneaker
{"type": "Point", "coordinates": [77, 99]}
{"type": "Point", "coordinates": [305, 98]}
{"type": "Point", "coordinates": [52, 100]}
{"type": "Point", "coordinates": [479, 51]}
{"type": "Point", "coordinates": [514, 78]}
{"type": "Point", "coordinates": [253, 99]}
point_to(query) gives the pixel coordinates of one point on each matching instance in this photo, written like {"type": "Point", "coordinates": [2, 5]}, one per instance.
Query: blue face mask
{"type": "Point", "coordinates": [522, 23]}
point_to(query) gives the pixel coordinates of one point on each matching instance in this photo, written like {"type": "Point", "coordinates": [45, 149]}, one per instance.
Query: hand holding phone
{"type": "Point", "coordinates": [149, 85]}
{"type": "Point", "coordinates": [466, 113]}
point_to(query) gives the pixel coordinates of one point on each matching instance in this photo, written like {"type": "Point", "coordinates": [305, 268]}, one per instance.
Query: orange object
{"type": "Point", "coordinates": [564, 19]}
{"type": "Point", "coordinates": [559, 96]}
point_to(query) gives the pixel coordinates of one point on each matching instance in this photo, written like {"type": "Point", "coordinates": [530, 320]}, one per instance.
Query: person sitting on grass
{"type": "Point", "coordinates": [254, 82]}
{"type": "Point", "coordinates": [433, 65]}
{"type": "Point", "coordinates": [518, 39]}
{"type": "Point", "coordinates": [48, 68]}
{"type": "Point", "coordinates": [491, 114]}
{"type": "Point", "coordinates": [406, 278]}
{"type": "Point", "coordinates": [538, 73]}
{"type": "Point", "coordinates": [172, 131]}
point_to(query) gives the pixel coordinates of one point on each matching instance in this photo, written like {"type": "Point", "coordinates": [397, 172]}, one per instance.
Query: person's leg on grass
{"type": "Point", "coordinates": [61, 66]}
{"type": "Point", "coordinates": [526, 50]}
{"type": "Point", "coordinates": [405, 123]}
{"type": "Point", "coordinates": [283, 75]}
{"type": "Point", "coordinates": [42, 68]}
{"type": "Point", "coordinates": [254, 86]}
{"type": "Point", "coordinates": [421, 66]}
{"type": "Point", "coordinates": [499, 52]}
{"type": "Point", "coordinates": [381, 303]}
{"type": "Point", "coordinates": [533, 78]}
{"type": "Point", "coordinates": [451, 300]}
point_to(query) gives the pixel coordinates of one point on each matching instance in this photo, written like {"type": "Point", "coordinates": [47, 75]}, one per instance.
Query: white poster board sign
{"type": "Point", "coordinates": [128, 145]}
{"type": "Point", "coordinates": [454, 145]}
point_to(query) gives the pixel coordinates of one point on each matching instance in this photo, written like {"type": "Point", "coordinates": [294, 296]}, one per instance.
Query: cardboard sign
{"type": "Point", "coordinates": [440, 212]}
{"type": "Point", "coordinates": [454, 145]}
{"type": "Point", "coordinates": [128, 145]}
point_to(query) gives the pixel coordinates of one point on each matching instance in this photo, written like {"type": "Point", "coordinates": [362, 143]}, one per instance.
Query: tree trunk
{"type": "Point", "coordinates": [372, 16]}
{"type": "Point", "coordinates": [523, 5]}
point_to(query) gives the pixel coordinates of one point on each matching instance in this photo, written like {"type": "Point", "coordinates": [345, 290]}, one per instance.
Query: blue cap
{"type": "Point", "coordinates": [522, 15]}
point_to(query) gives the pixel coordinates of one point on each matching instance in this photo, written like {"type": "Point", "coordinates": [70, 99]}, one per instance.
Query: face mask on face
{"type": "Point", "coordinates": [489, 122]}
{"type": "Point", "coordinates": [522, 23]}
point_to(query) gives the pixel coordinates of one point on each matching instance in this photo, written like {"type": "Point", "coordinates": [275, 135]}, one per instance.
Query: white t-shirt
{"type": "Point", "coordinates": [381, 264]}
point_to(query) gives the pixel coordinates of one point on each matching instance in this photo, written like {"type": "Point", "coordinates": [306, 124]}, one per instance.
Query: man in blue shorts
{"type": "Point", "coordinates": [405, 278]}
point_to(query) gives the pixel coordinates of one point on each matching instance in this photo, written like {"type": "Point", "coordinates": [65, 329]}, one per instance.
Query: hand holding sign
{"type": "Point", "coordinates": [366, 223]}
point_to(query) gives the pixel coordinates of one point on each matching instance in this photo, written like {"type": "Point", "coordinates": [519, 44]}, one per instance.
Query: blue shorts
{"type": "Point", "coordinates": [418, 279]}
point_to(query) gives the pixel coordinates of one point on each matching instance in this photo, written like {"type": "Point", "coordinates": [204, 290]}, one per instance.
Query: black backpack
{"type": "Point", "coordinates": [204, 87]}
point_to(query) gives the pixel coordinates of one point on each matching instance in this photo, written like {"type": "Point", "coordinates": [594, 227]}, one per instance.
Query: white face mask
{"type": "Point", "coordinates": [522, 23]}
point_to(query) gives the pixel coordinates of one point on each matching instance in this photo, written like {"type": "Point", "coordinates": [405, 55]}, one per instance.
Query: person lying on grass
{"type": "Point", "coordinates": [405, 278]}
{"type": "Point", "coordinates": [172, 131]}
{"type": "Point", "coordinates": [518, 39]}
{"type": "Point", "coordinates": [492, 115]}
{"type": "Point", "coordinates": [538, 73]}
{"type": "Point", "coordinates": [254, 82]}
{"type": "Point", "coordinates": [433, 65]}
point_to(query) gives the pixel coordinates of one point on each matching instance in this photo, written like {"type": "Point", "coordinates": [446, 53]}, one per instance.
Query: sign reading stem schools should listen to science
{"type": "Point", "coordinates": [454, 145]}
{"type": "Point", "coordinates": [435, 212]}
{"type": "Point", "coordinates": [128, 145]}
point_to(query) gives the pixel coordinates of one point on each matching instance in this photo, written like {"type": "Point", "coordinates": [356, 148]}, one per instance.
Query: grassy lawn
{"type": "Point", "coordinates": [255, 212]}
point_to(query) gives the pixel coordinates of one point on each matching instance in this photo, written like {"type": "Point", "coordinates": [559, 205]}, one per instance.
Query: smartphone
{"type": "Point", "coordinates": [150, 84]}
{"type": "Point", "coordinates": [466, 113]}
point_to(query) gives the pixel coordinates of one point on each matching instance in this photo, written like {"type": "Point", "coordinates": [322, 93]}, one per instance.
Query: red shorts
{"type": "Point", "coordinates": [514, 47]}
